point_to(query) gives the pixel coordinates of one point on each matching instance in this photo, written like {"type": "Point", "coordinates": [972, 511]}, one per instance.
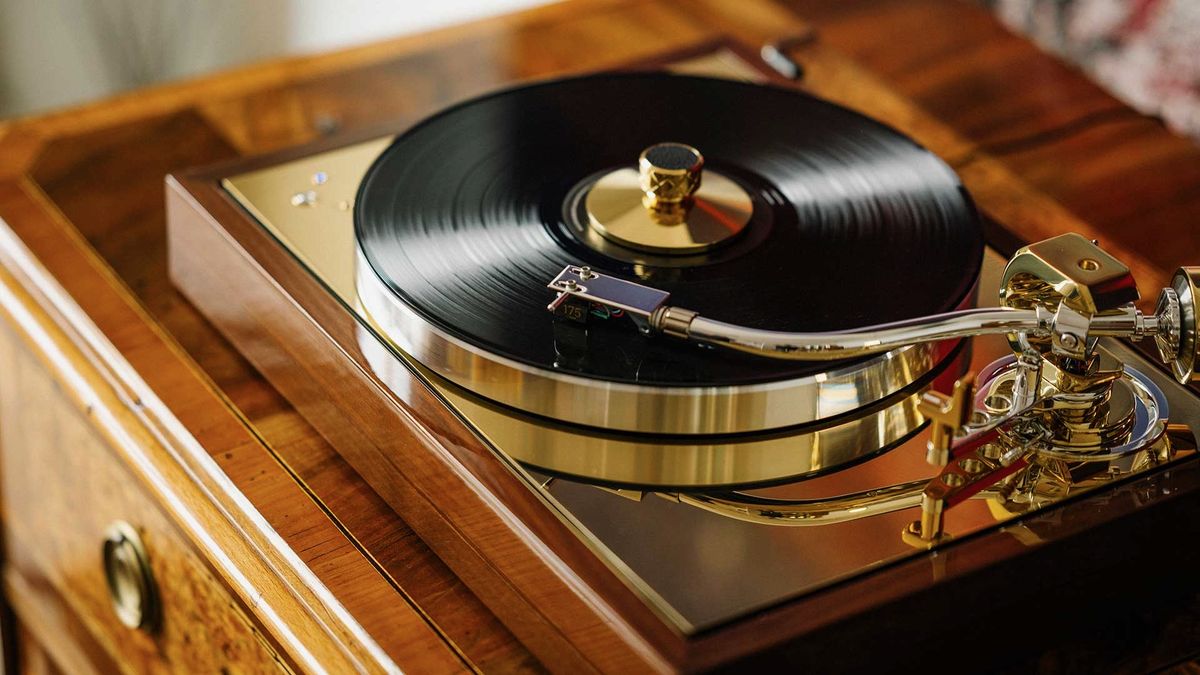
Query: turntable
{"type": "Point", "coordinates": [719, 355]}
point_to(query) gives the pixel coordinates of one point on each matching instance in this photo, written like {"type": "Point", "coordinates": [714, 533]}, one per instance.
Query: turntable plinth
{"type": "Point", "coordinates": [451, 584]}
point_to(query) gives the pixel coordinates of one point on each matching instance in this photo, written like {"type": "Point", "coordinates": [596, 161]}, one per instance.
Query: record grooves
{"type": "Point", "coordinates": [467, 215]}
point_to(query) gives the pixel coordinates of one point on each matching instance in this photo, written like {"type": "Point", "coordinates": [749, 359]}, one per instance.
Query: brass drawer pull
{"type": "Point", "coordinates": [131, 585]}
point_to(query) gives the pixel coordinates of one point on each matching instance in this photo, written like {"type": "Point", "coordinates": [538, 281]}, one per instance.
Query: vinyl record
{"type": "Point", "coordinates": [468, 215]}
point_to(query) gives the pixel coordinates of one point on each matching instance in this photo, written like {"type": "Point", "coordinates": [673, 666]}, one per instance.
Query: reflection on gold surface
{"type": "Point", "coordinates": [319, 231]}
{"type": "Point", "coordinates": [696, 568]}
{"type": "Point", "coordinates": [719, 211]}
{"type": "Point", "coordinates": [681, 410]}
{"type": "Point", "coordinates": [642, 461]}
{"type": "Point", "coordinates": [308, 206]}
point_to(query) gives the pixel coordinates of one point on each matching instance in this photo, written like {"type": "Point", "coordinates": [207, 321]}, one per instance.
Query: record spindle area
{"type": "Point", "coordinates": [464, 219]}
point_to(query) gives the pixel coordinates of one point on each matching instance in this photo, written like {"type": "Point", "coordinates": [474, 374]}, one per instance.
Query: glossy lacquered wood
{"type": "Point", "coordinates": [83, 192]}
{"type": "Point", "coordinates": [63, 487]}
{"type": "Point", "coordinates": [331, 383]}
{"type": "Point", "coordinates": [293, 609]}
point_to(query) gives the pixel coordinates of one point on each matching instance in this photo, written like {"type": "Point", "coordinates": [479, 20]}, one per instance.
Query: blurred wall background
{"type": "Point", "coordinates": [55, 53]}
{"type": "Point", "coordinates": [1146, 52]}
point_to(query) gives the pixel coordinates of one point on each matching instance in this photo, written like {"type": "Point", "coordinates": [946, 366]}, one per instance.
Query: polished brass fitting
{"type": "Point", "coordinates": [669, 174]}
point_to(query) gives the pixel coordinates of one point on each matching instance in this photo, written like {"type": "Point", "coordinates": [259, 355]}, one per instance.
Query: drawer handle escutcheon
{"type": "Point", "coordinates": [131, 585]}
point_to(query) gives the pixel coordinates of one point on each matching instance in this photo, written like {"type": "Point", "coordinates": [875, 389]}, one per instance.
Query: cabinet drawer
{"type": "Point", "coordinates": [62, 489]}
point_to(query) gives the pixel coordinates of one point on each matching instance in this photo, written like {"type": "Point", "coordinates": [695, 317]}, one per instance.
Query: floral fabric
{"type": "Point", "coordinates": [1146, 52]}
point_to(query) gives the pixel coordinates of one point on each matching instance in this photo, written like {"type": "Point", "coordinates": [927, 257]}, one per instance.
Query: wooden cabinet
{"type": "Point", "coordinates": [86, 444]}
{"type": "Point", "coordinates": [270, 551]}
{"type": "Point", "coordinates": [63, 488]}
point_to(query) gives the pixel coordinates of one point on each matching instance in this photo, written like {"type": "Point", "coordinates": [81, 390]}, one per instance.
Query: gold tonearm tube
{"type": "Point", "coordinates": [1057, 402]}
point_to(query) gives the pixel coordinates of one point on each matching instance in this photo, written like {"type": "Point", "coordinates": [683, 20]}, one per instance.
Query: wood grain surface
{"type": "Point", "coordinates": [1131, 182]}
{"type": "Point", "coordinates": [62, 488]}
{"type": "Point", "coordinates": [307, 623]}
{"type": "Point", "coordinates": [83, 191]}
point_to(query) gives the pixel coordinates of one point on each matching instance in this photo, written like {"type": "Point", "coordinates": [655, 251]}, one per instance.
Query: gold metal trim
{"type": "Point", "coordinates": [638, 408]}
{"type": "Point", "coordinates": [131, 585]}
{"type": "Point", "coordinates": [1068, 268]}
{"type": "Point", "coordinates": [651, 463]}
{"type": "Point", "coordinates": [307, 205]}
{"type": "Point", "coordinates": [1187, 351]}
{"type": "Point", "coordinates": [321, 233]}
{"type": "Point", "coordinates": [719, 210]}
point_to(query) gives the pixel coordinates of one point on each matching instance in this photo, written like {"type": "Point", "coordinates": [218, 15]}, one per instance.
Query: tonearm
{"type": "Point", "coordinates": [1057, 401]}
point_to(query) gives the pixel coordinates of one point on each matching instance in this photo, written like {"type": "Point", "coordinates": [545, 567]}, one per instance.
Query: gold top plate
{"type": "Point", "coordinates": [719, 211]}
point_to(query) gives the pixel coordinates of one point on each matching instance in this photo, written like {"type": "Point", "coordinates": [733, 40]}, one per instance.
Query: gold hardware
{"type": "Point", "coordinates": [1085, 411]}
{"type": "Point", "coordinates": [667, 206]}
{"type": "Point", "coordinates": [1181, 347]}
{"type": "Point", "coordinates": [929, 530]}
{"type": "Point", "coordinates": [986, 472]}
{"type": "Point", "coordinates": [1067, 268]}
{"type": "Point", "coordinates": [971, 473]}
{"type": "Point", "coordinates": [1074, 278]}
{"type": "Point", "coordinates": [803, 512]}
{"type": "Point", "coordinates": [947, 414]}
{"type": "Point", "coordinates": [669, 174]}
{"type": "Point", "coordinates": [326, 244]}
{"type": "Point", "coordinates": [131, 585]}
